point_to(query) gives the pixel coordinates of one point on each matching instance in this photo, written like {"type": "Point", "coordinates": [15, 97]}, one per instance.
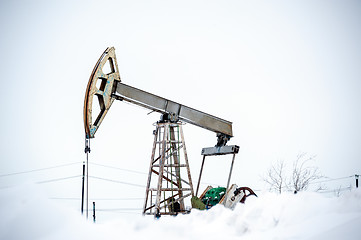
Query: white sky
{"type": "Point", "coordinates": [286, 73]}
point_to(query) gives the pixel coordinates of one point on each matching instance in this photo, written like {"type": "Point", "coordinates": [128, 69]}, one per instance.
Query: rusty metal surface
{"type": "Point", "coordinates": [246, 195]}
{"type": "Point", "coordinates": [205, 191]}
{"type": "Point", "coordinates": [168, 188]}
{"type": "Point", "coordinates": [147, 191]}
{"type": "Point", "coordinates": [103, 92]}
{"type": "Point", "coordinates": [187, 162]}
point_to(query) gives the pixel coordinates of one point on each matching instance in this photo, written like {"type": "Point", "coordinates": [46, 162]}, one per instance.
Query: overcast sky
{"type": "Point", "coordinates": [286, 73]}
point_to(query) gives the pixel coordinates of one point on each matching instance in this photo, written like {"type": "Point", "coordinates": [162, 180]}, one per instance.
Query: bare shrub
{"type": "Point", "coordinates": [298, 179]}
{"type": "Point", "coordinates": [275, 176]}
{"type": "Point", "coordinates": [303, 172]}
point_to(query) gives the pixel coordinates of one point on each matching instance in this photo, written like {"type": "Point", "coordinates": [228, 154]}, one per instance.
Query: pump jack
{"type": "Point", "coordinates": [166, 161]}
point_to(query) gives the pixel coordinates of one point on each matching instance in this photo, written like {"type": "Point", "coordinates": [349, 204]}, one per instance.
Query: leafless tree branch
{"type": "Point", "coordinates": [275, 176]}
{"type": "Point", "coordinates": [303, 173]}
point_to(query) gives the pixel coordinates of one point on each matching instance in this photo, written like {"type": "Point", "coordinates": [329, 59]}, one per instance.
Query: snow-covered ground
{"type": "Point", "coordinates": [27, 213]}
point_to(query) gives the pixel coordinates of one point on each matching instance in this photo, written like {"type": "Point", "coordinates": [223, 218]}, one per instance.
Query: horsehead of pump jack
{"type": "Point", "coordinates": [108, 86]}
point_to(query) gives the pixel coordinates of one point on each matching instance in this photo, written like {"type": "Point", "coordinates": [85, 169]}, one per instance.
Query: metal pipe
{"type": "Point", "coordinates": [200, 174]}
{"type": "Point", "coordinates": [93, 211]}
{"type": "Point", "coordinates": [87, 185]}
{"type": "Point", "coordinates": [230, 174]}
{"type": "Point", "coordinates": [82, 190]}
{"type": "Point", "coordinates": [87, 151]}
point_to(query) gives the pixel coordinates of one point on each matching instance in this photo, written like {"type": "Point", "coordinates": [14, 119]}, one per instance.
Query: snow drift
{"type": "Point", "coordinates": [28, 214]}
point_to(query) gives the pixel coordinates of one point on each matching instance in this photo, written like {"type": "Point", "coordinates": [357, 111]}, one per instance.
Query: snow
{"type": "Point", "coordinates": [27, 213]}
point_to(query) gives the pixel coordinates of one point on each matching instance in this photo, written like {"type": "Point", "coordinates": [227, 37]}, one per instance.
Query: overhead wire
{"type": "Point", "coordinates": [131, 184]}
{"type": "Point", "coordinates": [70, 177]}
{"type": "Point", "coordinates": [58, 179]}
{"type": "Point", "coordinates": [39, 169]}
{"type": "Point", "coordinates": [322, 181]}
{"type": "Point", "coordinates": [116, 181]}
{"type": "Point", "coordinates": [94, 177]}
{"type": "Point", "coordinates": [121, 212]}
{"type": "Point", "coordinates": [97, 199]}
{"type": "Point", "coordinates": [332, 179]}
{"type": "Point", "coordinates": [122, 169]}
{"type": "Point", "coordinates": [117, 209]}
{"type": "Point", "coordinates": [116, 199]}
{"type": "Point", "coordinates": [335, 190]}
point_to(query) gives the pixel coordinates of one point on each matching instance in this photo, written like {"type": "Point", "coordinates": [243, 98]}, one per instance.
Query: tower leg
{"type": "Point", "coordinates": [150, 172]}
{"type": "Point", "coordinates": [167, 162]}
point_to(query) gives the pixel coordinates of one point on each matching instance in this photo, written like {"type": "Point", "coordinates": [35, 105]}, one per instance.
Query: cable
{"type": "Point", "coordinates": [136, 213]}
{"type": "Point", "coordinates": [116, 181]}
{"type": "Point", "coordinates": [122, 169]}
{"type": "Point", "coordinates": [336, 190]}
{"type": "Point", "coordinates": [60, 198]}
{"type": "Point", "coordinates": [332, 179]}
{"type": "Point", "coordinates": [36, 170]}
{"type": "Point", "coordinates": [97, 199]}
{"type": "Point", "coordinates": [117, 209]}
{"type": "Point", "coordinates": [116, 199]}
{"type": "Point", "coordinates": [58, 179]}
{"type": "Point", "coordinates": [100, 178]}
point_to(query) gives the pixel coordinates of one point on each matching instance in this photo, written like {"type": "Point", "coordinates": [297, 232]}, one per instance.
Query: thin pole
{"type": "Point", "coordinates": [150, 171]}
{"type": "Point", "coordinates": [87, 151]}
{"type": "Point", "coordinates": [357, 176]}
{"type": "Point", "coordinates": [87, 185]}
{"type": "Point", "coordinates": [93, 211]}
{"type": "Point", "coordinates": [230, 174]}
{"type": "Point", "coordinates": [82, 190]}
{"type": "Point", "coordinates": [200, 174]}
